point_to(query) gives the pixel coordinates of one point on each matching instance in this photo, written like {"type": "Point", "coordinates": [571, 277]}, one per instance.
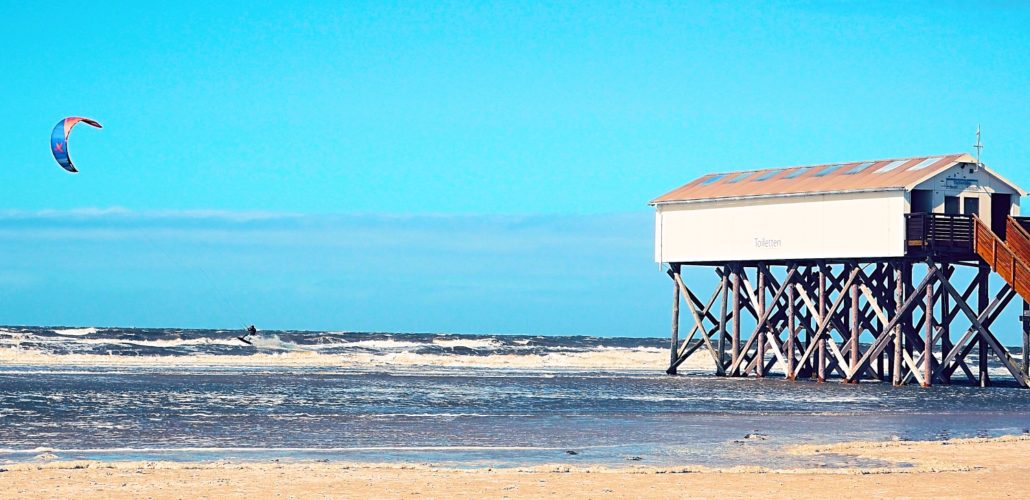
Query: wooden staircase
{"type": "Point", "coordinates": [1009, 257]}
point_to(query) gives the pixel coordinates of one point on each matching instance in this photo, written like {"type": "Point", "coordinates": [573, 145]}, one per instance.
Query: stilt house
{"type": "Point", "coordinates": [815, 269]}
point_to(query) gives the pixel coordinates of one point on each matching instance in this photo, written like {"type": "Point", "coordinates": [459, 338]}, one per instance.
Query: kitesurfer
{"type": "Point", "coordinates": [251, 331]}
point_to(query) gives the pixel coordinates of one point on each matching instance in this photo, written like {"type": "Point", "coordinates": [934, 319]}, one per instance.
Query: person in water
{"type": "Point", "coordinates": [245, 338]}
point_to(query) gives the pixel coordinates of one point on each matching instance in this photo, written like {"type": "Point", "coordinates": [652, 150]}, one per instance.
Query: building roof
{"type": "Point", "coordinates": [875, 175]}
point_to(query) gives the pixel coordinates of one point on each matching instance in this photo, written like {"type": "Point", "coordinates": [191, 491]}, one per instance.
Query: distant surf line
{"type": "Point", "coordinates": [245, 449]}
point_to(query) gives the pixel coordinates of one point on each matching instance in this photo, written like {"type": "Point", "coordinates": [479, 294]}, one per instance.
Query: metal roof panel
{"type": "Point", "coordinates": [872, 176]}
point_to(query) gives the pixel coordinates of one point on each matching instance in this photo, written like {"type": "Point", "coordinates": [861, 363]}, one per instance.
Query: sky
{"type": "Point", "coordinates": [448, 166]}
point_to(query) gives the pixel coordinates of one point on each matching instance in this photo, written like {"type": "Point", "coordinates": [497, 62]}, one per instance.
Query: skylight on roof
{"type": "Point", "coordinates": [794, 174]}
{"type": "Point", "coordinates": [891, 166]}
{"type": "Point", "coordinates": [768, 175]}
{"type": "Point", "coordinates": [712, 179]}
{"type": "Point", "coordinates": [740, 177]}
{"type": "Point", "coordinates": [858, 168]}
{"type": "Point", "coordinates": [828, 170]}
{"type": "Point", "coordinates": [925, 163]}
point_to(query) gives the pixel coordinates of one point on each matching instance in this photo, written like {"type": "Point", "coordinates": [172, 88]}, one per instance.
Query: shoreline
{"type": "Point", "coordinates": [975, 467]}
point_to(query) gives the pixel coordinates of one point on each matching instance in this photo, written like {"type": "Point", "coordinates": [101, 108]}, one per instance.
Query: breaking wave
{"type": "Point", "coordinates": [468, 343]}
{"type": "Point", "coordinates": [75, 332]}
{"type": "Point", "coordinates": [355, 351]}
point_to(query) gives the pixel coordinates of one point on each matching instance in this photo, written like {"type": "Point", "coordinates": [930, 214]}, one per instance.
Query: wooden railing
{"type": "Point", "coordinates": [931, 233]}
{"type": "Point", "coordinates": [1022, 221]}
{"type": "Point", "coordinates": [1002, 258]}
{"type": "Point", "coordinates": [1017, 237]}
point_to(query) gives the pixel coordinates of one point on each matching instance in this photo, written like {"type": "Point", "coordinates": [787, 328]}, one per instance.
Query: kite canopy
{"type": "Point", "coordinates": [59, 140]}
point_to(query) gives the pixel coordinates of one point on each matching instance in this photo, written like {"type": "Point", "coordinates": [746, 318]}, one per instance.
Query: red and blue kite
{"type": "Point", "coordinates": [59, 140]}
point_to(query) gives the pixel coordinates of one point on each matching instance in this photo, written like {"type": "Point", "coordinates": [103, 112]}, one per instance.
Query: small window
{"type": "Point", "coordinates": [741, 177]}
{"type": "Point", "coordinates": [768, 175]}
{"type": "Point", "coordinates": [858, 168]}
{"type": "Point", "coordinates": [891, 166]}
{"type": "Point", "coordinates": [971, 206]}
{"type": "Point", "coordinates": [713, 179]}
{"type": "Point", "coordinates": [951, 205]}
{"type": "Point", "coordinates": [828, 170]}
{"type": "Point", "coordinates": [798, 172]}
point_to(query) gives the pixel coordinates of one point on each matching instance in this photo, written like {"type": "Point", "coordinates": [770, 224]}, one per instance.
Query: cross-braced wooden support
{"type": "Point", "coordinates": [893, 320]}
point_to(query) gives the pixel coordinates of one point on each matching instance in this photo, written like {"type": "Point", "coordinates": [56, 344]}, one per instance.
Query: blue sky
{"type": "Point", "coordinates": [543, 274]}
{"type": "Point", "coordinates": [445, 114]}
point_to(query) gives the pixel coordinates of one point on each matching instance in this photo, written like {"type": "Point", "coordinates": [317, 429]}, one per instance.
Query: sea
{"type": "Point", "coordinates": [445, 400]}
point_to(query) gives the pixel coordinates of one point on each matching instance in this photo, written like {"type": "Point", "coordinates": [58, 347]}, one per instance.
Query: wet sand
{"type": "Point", "coordinates": [968, 468]}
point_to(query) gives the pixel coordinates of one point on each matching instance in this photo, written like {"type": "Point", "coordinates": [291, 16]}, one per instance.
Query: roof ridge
{"type": "Point", "coordinates": [909, 158]}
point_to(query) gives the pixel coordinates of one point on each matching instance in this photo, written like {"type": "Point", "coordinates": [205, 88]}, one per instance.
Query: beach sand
{"type": "Point", "coordinates": [967, 468]}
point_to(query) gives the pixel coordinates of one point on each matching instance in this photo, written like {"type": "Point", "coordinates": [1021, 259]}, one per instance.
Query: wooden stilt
{"type": "Point", "coordinates": [855, 331]}
{"type": "Point", "coordinates": [908, 321]}
{"type": "Point", "coordinates": [882, 368]}
{"type": "Point", "coordinates": [820, 341]}
{"type": "Point", "coordinates": [928, 343]}
{"type": "Point", "coordinates": [899, 299]}
{"type": "Point", "coordinates": [945, 327]}
{"type": "Point", "coordinates": [675, 338]}
{"type": "Point", "coordinates": [760, 331]}
{"type": "Point", "coordinates": [1026, 338]}
{"type": "Point", "coordinates": [792, 332]}
{"type": "Point", "coordinates": [735, 341]}
{"type": "Point", "coordinates": [723, 317]}
{"type": "Point", "coordinates": [806, 365]}
{"type": "Point", "coordinates": [982, 298]}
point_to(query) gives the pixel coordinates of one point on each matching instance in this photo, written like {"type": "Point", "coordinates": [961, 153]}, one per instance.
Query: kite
{"type": "Point", "coordinates": [59, 140]}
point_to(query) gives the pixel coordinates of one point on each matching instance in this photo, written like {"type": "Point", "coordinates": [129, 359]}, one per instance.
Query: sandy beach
{"type": "Point", "coordinates": [966, 468]}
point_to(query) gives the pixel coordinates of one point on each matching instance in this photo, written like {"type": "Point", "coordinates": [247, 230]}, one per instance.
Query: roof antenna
{"type": "Point", "coordinates": [978, 147]}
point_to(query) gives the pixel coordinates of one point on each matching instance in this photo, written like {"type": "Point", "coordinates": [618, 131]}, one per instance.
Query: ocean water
{"type": "Point", "coordinates": [460, 401]}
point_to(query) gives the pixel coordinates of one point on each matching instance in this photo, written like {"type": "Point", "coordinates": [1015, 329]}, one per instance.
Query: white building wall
{"type": "Point", "coordinates": [830, 226]}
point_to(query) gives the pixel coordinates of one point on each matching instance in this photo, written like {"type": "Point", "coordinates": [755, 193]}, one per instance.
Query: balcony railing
{"type": "Point", "coordinates": [939, 234]}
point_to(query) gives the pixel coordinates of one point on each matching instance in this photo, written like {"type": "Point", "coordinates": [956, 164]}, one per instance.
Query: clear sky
{"type": "Point", "coordinates": [336, 114]}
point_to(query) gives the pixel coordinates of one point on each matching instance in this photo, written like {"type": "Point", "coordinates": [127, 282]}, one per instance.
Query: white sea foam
{"type": "Point", "coordinates": [383, 344]}
{"type": "Point", "coordinates": [162, 343]}
{"type": "Point", "coordinates": [468, 343]}
{"type": "Point", "coordinates": [595, 359]}
{"type": "Point", "coordinates": [75, 332]}
{"type": "Point", "coordinates": [272, 342]}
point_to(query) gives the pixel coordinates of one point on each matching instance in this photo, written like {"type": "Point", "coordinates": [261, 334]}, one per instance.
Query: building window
{"type": "Point", "coordinates": [971, 206]}
{"type": "Point", "coordinates": [922, 201]}
{"type": "Point", "coordinates": [951, 205]}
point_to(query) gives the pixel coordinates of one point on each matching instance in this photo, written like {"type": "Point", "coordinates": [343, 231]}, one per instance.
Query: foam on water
{"type": "Point", "coordinates": [388, 344]}
{"type": "Point", "coordinates": [356, 351]}
{"type": "Point", "coordinates": [272, 342]}
{"type": "Point", "coordinates": [297, 356]}
{"type": "Point", "coordinates": [467, 343]}
{"type": "Point", "coordinates": [160, 343]}
{"type": "Point", "coordinates": [75, 332]}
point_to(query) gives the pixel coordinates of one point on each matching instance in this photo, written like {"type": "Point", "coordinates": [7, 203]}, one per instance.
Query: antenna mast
{"type": "Point", "coordinates": [978, 147]}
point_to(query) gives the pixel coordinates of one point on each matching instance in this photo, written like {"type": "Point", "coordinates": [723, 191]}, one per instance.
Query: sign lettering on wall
{"type": "Point", "coordinates": [958, 182]}
{"type": "Point", "coordinates": [767, 243]}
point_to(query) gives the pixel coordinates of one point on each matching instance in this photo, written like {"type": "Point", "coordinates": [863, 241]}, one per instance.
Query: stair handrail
{"type": "Point", "coordinates": [1014, 222]}
{"type": "Point", "coordinates": [1009, 261]}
